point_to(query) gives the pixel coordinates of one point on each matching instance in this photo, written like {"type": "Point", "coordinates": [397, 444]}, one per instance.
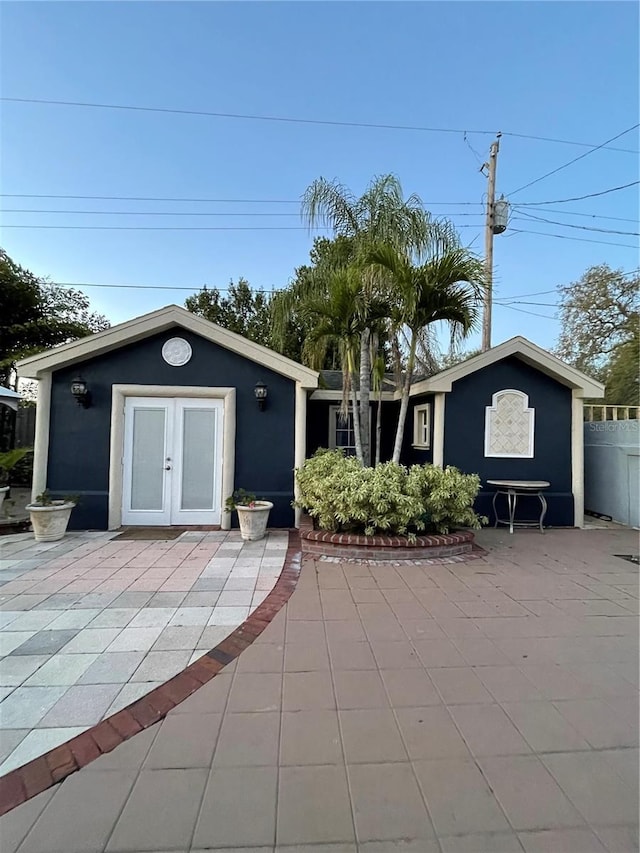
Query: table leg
{"type": "Point", "coordinates": [512, 498]}
{"type": "Point", "coordinates": [495, 495]}
{"type": "Point", "coordinates": [544, 509]}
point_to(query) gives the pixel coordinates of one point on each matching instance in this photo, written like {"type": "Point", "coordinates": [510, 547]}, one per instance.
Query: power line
{"type": "Point", "coordinates": [531, 217]}
{"type": "Point", "coordinates": [575, 213]}
{"type": "Point", "coordinates": [194, 289]}
{"type": "Point", "coordinates": [261, 228]}
{"type": "Point", "coordinates": [183, 227]}
{"type": "Point", "coordinates": [297, 201]}
{"type": "Point", "coordinates": [290, 120]}
{"type": "Point", "coordinates": [575, 160]}
{"type": "Point", "coordinates": [566, 237]}
{"type": "Point", "coordinates": [524, 295]}
{"type": "Point", "coordinates": [513, 301]}
{"type": "Point", "coordinates": [207, 200]}
{"type": "Point", "coordinates": [524, 311]}
{"type": "Point", "coordinates": [578, 197]}
{"type": "Point", "coordinates": [175, 212]}
{"type": "Point", "coordinates": [173, 227]}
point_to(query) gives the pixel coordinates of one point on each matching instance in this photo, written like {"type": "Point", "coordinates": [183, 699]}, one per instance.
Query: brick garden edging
{"type": "Point", "coordinates": [46, 770]}
{"type": "Point", "coordinates": [382, 548]}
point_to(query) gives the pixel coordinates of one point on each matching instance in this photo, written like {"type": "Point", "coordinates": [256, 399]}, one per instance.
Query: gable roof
{"type": "Point", "coordinates": [170, 317]}
{"type": "Point", "coordinates": [528, 353]}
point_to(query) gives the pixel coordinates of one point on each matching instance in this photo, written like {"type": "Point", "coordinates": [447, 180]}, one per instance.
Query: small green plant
{"type": "Point", "coordinates": [9, 460]}
{"type": "Point", "coordinates": [240, 498]}
{"type": "Point", "coordinates": [342, 495]}
{"type": "Point", "coordinates": [46, 499]}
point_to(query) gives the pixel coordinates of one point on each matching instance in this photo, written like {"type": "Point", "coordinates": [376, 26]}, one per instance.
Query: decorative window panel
{"type": "Point", "coordinates": [422, 426]}
{"type": "Point", "coordinates": [509, 425]}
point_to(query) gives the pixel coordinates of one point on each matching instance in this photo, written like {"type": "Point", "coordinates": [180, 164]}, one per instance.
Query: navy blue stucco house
{"type": "Point", "coordinates": [174, 418]}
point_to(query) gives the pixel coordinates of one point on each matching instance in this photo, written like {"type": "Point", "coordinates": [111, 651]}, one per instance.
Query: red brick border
{"type": "Point", "coordinates": [383, 548]}
{"type": "Point", "coordinates": [31, 779]}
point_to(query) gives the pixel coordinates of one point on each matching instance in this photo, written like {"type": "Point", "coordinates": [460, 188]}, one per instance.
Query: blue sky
{"type": "Point", "coordinates": [562, 70]}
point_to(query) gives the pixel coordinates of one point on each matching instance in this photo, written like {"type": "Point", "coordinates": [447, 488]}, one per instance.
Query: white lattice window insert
{"type": "Point", "coordinates": [509, 425]}
{"type": "Point", "coordinates": [422, 426]}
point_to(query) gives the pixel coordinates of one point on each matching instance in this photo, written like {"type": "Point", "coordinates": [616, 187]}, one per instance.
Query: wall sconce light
{"type": "Point", "coordinates": [80, 392]}
{"type": "Point", "coordinates": [261, 394]}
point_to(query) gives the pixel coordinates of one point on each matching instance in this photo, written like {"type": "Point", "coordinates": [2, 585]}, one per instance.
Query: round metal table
{"type": "Point", "coordinates": [512, 489]}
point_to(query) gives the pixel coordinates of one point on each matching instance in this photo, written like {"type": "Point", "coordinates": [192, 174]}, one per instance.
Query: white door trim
{"type": "Point", "coordinates": [116, 450]}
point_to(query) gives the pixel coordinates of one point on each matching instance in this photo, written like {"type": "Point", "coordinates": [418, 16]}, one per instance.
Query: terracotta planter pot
{"type": "Point", "coordinates": [50, 522]}
{"type": "Point", "coordinates": [253, 520]}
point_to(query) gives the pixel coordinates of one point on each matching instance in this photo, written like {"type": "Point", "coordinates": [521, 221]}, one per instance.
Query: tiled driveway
{"type": "Point", "coordinates": [480, 707]}
{"type": "Point", "coordinates": [88, 625]}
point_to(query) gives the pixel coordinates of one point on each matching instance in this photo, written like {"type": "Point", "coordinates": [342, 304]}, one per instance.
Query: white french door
{"type": "Point", "coordinates": [172, 461]}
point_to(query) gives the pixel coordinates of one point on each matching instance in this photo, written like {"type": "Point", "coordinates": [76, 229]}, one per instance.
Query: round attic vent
{"type": "Point", "coordinates": [176, 351]}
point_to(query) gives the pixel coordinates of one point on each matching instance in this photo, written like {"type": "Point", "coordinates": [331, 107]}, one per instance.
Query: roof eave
{"type": "Point", "coordinates": [527, 352]}
{"type": "Point", "coordinates": [157, 321]}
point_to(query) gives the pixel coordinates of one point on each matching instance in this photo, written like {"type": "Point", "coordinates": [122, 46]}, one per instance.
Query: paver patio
{"type": "Point", "coordinates": [458, 707]}
{"type": "Point", "coordinates": [91, 623]}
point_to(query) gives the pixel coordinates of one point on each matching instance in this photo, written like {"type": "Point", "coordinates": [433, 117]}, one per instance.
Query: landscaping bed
{"type": "Point", "coordinates": [386, 513]}
{"type": "Point", "coordinates": [382, 548]}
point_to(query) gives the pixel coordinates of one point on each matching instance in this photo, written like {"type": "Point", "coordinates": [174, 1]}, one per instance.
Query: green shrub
{"type": "Point", "coordinates": [342, 495]}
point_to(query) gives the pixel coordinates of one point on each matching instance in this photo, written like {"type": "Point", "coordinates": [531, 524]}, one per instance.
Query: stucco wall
{"type": "Point", "coordinates": [79, 438]}
{"type": "Point", "coordinates": [464, 436]}
{"type": "Point", "coordinates": [612, 469]}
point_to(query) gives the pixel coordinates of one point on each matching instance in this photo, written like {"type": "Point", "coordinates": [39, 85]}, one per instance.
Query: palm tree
{"type": "Point", "coordinates": [448, 287]}
{"type": "Point", "coordinates": [380, 215]}
{"type": "Point", "coordinates": [338, 316]}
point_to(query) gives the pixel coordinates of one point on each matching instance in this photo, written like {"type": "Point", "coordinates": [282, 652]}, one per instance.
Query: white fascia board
{"type": "Point", "coordinates": [157, 321]}
{"type": "Point", "coordinates": [336, 396]}
{"type": "Point", "coordinates": [526, 352]}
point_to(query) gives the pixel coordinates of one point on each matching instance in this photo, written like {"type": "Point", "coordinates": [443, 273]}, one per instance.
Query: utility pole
{"type": "Point", "coordinates": [488, 240]}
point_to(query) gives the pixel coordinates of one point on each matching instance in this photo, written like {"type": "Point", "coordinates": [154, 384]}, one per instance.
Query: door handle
{"type": "Point", "coordinates": [167, 467]}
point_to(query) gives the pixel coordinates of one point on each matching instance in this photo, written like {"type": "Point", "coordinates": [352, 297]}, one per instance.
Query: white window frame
{"type": "Point", "coordinates": [422, 426]}
{"type": "Point", "coordinates": [492, 409]}
{"type": "Point", "coordinates": [334, 412]}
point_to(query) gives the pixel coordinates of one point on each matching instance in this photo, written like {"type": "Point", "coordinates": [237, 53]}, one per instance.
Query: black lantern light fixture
{"type": "Point", "coordinates": [260, 392]}
{"type": "Point", "coordinates": [80, 392]}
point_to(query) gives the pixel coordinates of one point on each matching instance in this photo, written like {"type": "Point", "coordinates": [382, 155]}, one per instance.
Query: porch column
{"type": "Point", "coordinates": [41, 440]}
{"type": "Point", "coordinates": [300, 441]}
{"type": "Point", "coordinates": [577, 457]}
{"type": "Point", "coordinates": [438, 429]}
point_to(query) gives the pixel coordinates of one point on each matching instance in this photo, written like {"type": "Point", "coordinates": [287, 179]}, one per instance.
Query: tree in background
{"type": "Point", "coordinates": [291, 323]}
{"type": "Point", "coordinates": [599, 317]}
{"type": "Point", "coordinates": [36, 315]}
{"type": "Point", "coordinates": [244, 311]}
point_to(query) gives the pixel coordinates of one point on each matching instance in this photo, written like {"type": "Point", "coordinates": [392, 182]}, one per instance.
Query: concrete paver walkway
{"type": "Point", "coordinates": [91, 623]}
{"type": "Point", "coordinates": [451, 708]}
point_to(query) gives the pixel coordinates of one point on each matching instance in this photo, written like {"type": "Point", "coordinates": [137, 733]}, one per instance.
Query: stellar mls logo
{"type": "Point", "coordinates": [614, 426]}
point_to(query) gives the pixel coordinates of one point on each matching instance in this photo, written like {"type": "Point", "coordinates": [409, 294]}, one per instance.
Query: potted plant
{"type": "Point", "coordinates": [8, 462]}
{"type": "Point", "coordinates": [252, 514]}
{"type": "Point", "coordinates": [49, 517]}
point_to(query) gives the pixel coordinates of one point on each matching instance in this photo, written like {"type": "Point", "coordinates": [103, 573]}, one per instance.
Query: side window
{"type": "Point", "coordinates": [509, 425]}
{"type": "Point", "coordinates": [341, 433]}
{"type": "Point", "coordinates": [422, 426]}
